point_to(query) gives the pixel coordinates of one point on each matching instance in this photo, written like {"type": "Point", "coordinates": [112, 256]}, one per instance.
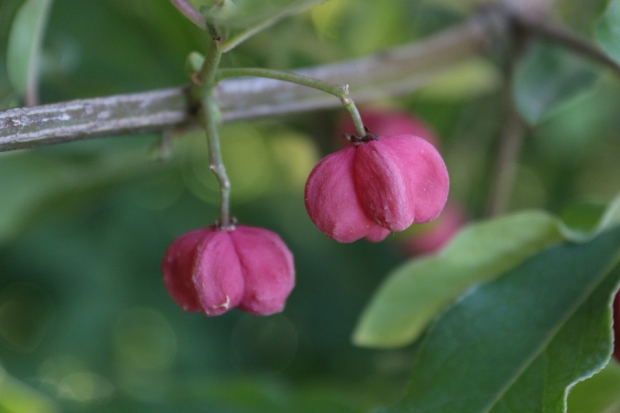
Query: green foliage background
{"type": "Point", "coordinates": [85, 321]}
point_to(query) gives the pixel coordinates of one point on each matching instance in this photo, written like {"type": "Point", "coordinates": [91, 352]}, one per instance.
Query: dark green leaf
{"type": "Point", "coordinates": [548, 77]}
{"type": "Point", "coordinates": [608, 30]}
{"type": "Point", "coordinates": [24, 45]}
{"type": "Point", "coordinates": [517, 343]}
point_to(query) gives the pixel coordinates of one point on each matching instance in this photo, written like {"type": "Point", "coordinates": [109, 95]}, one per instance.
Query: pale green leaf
{"type": "Point", "coordinates": [24, 44]}
{"type": "Point", "coordinates": [414, 293]}
{"type": "Point", "coordinates": [519, 342]}
{"type": "Point", "coordinates": [598, 394]}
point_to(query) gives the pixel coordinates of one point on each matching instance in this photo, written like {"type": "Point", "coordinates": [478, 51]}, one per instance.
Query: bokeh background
{"type": "Point", "coordinates": [85, 321]}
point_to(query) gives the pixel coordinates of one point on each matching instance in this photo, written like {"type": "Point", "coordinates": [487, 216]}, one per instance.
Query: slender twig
{"type": "Point", "coordinates": [506, 162]}
{"type": "Point", "coordinates": [561, 35]}
{"type": "Point", "coordinates": [190, 12]}
{"type": "Point", "coordinates": [209, 116]}
{"type": "Point", "coordinates": [392, 72]}
{"type": "Point", "coordinates": [507, 158]}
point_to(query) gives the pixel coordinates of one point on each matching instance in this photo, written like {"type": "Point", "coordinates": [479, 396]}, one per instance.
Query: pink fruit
{"type": "Point", "coordinates": [377, 186]}
{"type": "Point", "coordinates": [214, 270]}
{"type": "Point", "coordinates": [384, 122]}
{"type": "Point", "coordinates": [440, 232]}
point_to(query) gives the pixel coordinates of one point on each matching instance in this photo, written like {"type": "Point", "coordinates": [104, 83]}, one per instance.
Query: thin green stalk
{"type": "Point", "coordinates": [209, 116]}
{"type": "Point", "coordinates": [341, 92]}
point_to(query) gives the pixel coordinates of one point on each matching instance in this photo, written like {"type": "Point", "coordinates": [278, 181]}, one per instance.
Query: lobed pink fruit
{"type": "Point", "coordinates": [384, 122]}
{"type": "Point", "coordinates": [214, 270]}
{"type": "Point", "coordinates": [375, 187]}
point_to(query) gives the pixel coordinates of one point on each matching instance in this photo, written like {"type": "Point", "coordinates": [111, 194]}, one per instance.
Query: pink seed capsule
{"type": "Point", "coordinates": [388, 183]}
{"type": "Point", "coordinates": [214, 270]}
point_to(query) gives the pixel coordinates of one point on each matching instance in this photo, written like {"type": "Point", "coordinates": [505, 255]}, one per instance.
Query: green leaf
{"type": "Point", "coordinates": [16, 396]}
{"type": "Point", "coordinates": [240, 14]}
{"type": "Point", "coordinates": [517, 343]}
{"type": "Point", "coordinates": [608, 30]}
{"type": "Point", "coordinates": [414, 293]}
{"type": "Point", "coordinates": [598, 394]}
{"type": "Point", "coordinates": [24, 44]}
{"type": "Point", "coordinates": [238, 20]}
{"type": "Point", "coordinates": [548, 77]}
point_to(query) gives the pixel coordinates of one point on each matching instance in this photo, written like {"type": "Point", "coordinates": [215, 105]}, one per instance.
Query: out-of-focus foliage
{"type": "Point", "coordinates": [24, 45]}
{"type": "Point", "coordinates": [548, 77]}
{"type": "Point", "coordinates": [85, 322]}
{"type": "Point", "coordinates": [608, 30]}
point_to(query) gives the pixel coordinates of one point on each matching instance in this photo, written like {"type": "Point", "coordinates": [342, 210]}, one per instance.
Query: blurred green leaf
{"type": "Point", "coordinates": [546, 78]}
{"type": "Point", "coordinates": [239, 20]}
{"type": "Point", "coordinates": [413, 294]}
{"type": "Point", "coordinates": [17, 397]}
{"type": "Point", "coordinates": [608, 30]}
{"type": "Point", "coordinates": [466, 80]}
{"type": "Point", "coordinates": [36, 185]}
{"type": "Point", "coordinates": [25, 41]}
{"type": "Point", "coordinates": [598, 394]}
{"type": "Point", "coordinates": [518, 342]}
{"type": "Point", "coordinates": [240, 14]}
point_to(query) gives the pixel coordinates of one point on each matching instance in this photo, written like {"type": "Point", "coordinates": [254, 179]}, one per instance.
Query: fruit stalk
{"type": "Point", "coordinates": [209, 117]}
{"type": "Point", "coordinates": [341, 92]}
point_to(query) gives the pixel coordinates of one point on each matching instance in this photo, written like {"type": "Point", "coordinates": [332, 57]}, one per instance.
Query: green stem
{"type": "Point", "coordinates": [341, 92]}
{"type": "Point", "coordinates": [209, 116]}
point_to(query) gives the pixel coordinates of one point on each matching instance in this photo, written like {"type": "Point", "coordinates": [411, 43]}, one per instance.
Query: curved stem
{"type": "Point", "coordinates": [341, 92]}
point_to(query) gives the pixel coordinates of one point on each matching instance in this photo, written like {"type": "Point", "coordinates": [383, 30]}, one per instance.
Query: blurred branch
{"type": "Point", "coordinates": [393, 72]}
{"type": "Point", "coordinates": [555, 33]}
{"type": "Point", "coordinates": [506, 161]}
{"type": "Point", "coordinates": [396, 71]}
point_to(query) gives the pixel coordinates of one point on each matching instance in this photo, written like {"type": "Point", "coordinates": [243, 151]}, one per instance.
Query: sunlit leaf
{"type": "Point", "coordinates": [548, 77]}
{"type": "Point", "coordinates": [16, 396]}
{"type": "Point", "coordinates": [608, 30]}
{"type": "Point", "coordinates": [517, 343]}
{"type": "Point", "coordinates": [24, 44]}
{"type": "Point", "coordinates": [599, 394]}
